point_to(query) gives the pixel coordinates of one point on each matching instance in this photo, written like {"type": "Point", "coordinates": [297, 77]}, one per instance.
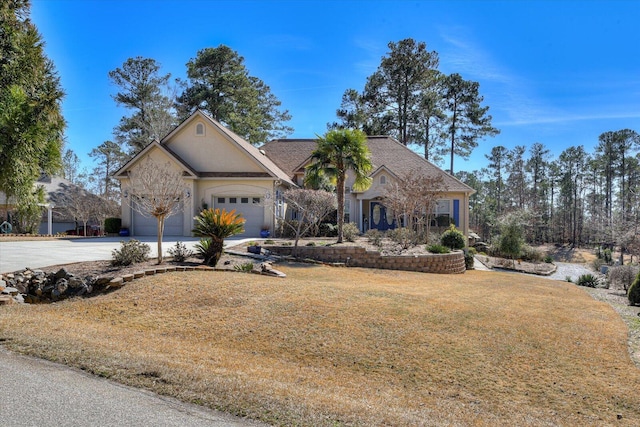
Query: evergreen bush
{"type": "Point", "coordinates": [453, 238]}
{"type": "Point", "coordinates": [130, 252]}
{"type": "Point", "coordinates": [439, 249]}
{"type": "Point", "coordinates": [112, 225]}
{"type": "Point", "coordinates": [180, 252]}
{"type": "Point", "coordinates": [634, 291]}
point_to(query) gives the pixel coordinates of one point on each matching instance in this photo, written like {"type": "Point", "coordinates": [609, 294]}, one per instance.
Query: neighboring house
{"type": "Point", "coordinates": [56, 217]}
{"type": "Point", "coordinates": [221, 170]}
{"type": "Point", "coordinates": [391, 160]}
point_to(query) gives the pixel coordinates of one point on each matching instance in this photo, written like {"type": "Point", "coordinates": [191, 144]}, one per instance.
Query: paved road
{"type": "Point", "coordinates": [41, 253]}
{"type": "Point", "coordinates": [38, 393]}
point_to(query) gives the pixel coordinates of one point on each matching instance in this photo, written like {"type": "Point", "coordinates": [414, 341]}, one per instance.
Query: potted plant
{"type": "Point", "coordinates": [254, 248]}
{"type": "Point", "coordinates": [265, 233]}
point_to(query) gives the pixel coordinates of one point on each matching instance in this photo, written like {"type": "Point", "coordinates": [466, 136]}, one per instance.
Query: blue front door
{"type": "Point", "coordinates": [379, 218]}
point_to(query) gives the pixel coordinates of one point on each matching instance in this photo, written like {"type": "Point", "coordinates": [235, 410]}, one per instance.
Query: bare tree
{"type": "Point", "coordinates": [157, 190]}
{"type": "Point", "coordinates": [412, 198]}
{"type": "Point", "coordinates": [312, 207]}
{"type": "Point", "coordinates": [79, 203]}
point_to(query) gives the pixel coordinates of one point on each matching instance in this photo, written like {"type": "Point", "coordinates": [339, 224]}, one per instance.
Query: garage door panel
{"type": "Point", "coordinates": [148, 226]}
{"type": "Point", "coordinates": [250, 208]}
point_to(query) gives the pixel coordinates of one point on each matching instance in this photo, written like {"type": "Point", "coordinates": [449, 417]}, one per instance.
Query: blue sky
{"type": "Point", "coordinates": [556, 72]}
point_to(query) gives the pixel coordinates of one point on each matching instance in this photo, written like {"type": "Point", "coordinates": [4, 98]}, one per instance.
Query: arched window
{"type": "Point", "coordinates": [383, 180]}
{"type": "Point", "coordinates": [200, 129]}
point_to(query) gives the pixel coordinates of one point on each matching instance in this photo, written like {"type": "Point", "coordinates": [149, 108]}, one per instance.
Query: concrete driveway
{"type": "Point", "coordinates": [42, 253]}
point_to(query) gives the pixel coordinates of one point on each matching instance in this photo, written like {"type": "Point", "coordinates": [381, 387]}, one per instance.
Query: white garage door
{"type": "Point", "coordinates": [251, 209]}
{"type": "Point", "coordinates": [143, 226]}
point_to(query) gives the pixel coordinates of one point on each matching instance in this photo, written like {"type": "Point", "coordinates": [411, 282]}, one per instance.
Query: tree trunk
{"type": "Point", "coordinates": [160, 233]}
{"type": "Point", "coordinates": [340, 194]}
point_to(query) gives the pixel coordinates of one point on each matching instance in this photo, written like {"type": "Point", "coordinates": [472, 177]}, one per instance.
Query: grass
{"type": "Point", "coordinates": [335, 346]}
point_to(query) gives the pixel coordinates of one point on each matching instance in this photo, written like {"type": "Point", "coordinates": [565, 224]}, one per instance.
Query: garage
{"type": "Point", "coordinates": [251, 209]}
{"type": "Point", "coordinates": [143, 226]}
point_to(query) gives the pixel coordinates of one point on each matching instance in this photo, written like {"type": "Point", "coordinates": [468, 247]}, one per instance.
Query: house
{"type": "Point", "coordinates": [221, 170]}
{"type": "Point", "coordinates": [391, 161]}
{"type": "Point", "coordinates": [57, 216]}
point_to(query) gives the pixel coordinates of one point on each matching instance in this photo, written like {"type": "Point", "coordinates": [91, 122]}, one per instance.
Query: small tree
{"type": "Point", "coordinates": [215, 225]}
{"type": "Point", "coordinates": [511, 238]}
{"type": "Point", "coordinates": [312, 207]}
{"type": "Point", "coordinates": [413, 197]}
{"type": "Point", "coordinates": [157, 190]}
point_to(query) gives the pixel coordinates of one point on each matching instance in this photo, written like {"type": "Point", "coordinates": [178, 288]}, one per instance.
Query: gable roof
{"type": "Point", "coordinates": [293, 154]}
{"type": "Point", "coordinates": [270, 168]}
{"type": "Point", "coordinates": [188, 169]}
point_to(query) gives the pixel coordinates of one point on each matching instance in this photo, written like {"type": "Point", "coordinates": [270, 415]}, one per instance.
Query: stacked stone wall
{"type": "Point", "coordinates": [354, 256]}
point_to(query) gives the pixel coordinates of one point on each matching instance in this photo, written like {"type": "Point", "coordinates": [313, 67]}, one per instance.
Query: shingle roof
{"type": "Point", "coordinates": [291, 154]}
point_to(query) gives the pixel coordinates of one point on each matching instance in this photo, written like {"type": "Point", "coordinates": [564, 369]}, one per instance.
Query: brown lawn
{"type": "Point", "coordinates": [336, 346]}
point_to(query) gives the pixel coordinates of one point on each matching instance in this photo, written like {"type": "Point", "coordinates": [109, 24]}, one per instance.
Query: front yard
{"type": "Point", "coordinates": [337, 346]}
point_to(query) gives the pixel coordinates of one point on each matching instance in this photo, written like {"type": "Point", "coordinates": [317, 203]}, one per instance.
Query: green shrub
{"type": "Point", "coordinates": [374, 236]}
{"type": "Point", "coordinates": [621, 277]}
{"type": "Point", "coordinates": [180, 252]}
{"type": "Point", "coordinates": [112, 225]}
{"type": "Point", "coordinates": [269, 242]}
{"type": "Point", "coordinates": [311, 244]}
{"type": "Point", "coordinates": [606, 256]}
{"type": "Point", "coordinates": [438, 249]}
{"type": "Point", "coordinates": [634, 291]}
{"type": "Point", "coordinates": [246, 267]}
{"type": "Point", "coordinates": [453, 238]}
{"type": "Point", "coordinates": [588, 280]}
{"type": "Point", "coordinates": [130, 252]}
{"type": "Point", "coordinates": [548, 259]}
{"type": "Point", "coordinates": [350, 231]}
{"type": "Point", "coordinates": [328, 229]}
{"type": "Point", "coordinates": [209, 251]}
{"type": "Point", "coordinates": [469, 259]}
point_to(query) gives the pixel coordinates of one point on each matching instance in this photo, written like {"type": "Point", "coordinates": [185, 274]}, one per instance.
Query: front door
{"type": "Point", "coordinates": [381, 218]}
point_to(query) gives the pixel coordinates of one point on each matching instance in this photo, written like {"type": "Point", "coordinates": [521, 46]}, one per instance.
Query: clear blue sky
{"type": "Point", "coordinates": [555, 72]}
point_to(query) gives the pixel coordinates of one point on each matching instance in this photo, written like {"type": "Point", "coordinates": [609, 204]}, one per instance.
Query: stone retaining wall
{"type": "Point", "coordinates": [355, 256]}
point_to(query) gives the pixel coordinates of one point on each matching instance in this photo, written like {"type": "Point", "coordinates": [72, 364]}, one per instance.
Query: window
{"type": "Point", "coordinates": [256, 200]}
{"type": "Point", "coordinates": [383, 180]}
{"type": "Point", "coordinates": [233, 200]}
{"type": "Point", "coordinates": [200, 129]}
{"type": "Point", "coordinates": [347, 210]}
{"type": "Point", "coordinates": [442, 213]}
{"type": "Point", "coordinates": [244, 200]}
{"type": "Point", "coordinates": [221, 200]}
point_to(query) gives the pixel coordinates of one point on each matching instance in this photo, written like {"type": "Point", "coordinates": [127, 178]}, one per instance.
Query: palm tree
{"type": "Point", "coordinates": [339, 151]}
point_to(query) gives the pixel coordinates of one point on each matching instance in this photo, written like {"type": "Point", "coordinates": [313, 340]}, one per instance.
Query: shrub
{"type": "Point", "coordinates": [246, 267]}
{"type": "Point", "coordinates": [621, 277]}
{"type": "Point", "coordinates": [374, 236]}
{"type": "Point", "coordinates": [634, 291]}
{"type": "Point", "coordinates": [350, 231]}
{"type": "Point", "coordinates": [130, 252]}
{"type": "Point", "coordinates": [180, 252]}
{"type": "Point", "coordinates": [215, 225]}
{"type": "Point", "coordinates": [469, 259]}
{"type": "Point", "coordinates": [328, 230]}
{"type": "Point", "coordinates": [311, 244]}
{"type": "Point", "coordinates": [269, 242]}
{"type": "Point", "coordinates": [112, 225]}
{"type": "Point", "coordinates": [548, 259]}
{"type": "Point", "coordinates": [588, 280]}
{"type": "Point", "coordinates": [208, 252]}
{"type": "Point", "coordinates": [453, 238]}
{"type": "Point", "coordinates": [606, 256]}
{"type": "Point", "coordinates": [403, 236]}
{"type": "Point", "coordinates": [439, 249]}
{"type": "Point", "coordinates": [528, 253]}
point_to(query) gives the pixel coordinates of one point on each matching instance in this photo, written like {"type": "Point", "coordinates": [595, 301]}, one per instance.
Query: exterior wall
{"type": "Point", "coordinates": [210, 152]}
{"type": "Point", "coordinates": [207, 190]}
{"type": "Point", "coordinates": [354, 256]}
